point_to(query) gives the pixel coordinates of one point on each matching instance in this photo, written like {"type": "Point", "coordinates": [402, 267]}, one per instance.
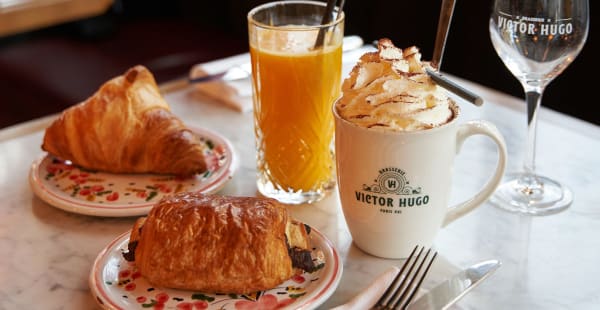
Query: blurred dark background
{"type": "Point", "coordinates": [47, 69]}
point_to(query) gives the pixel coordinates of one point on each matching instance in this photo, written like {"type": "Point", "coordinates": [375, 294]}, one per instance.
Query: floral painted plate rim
{"type": "Point", "coordinates": [116, 284]}
{"type": "Point", "coordinates": [72, 189]}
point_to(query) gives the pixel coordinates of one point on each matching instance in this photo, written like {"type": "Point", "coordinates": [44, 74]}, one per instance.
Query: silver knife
{"type": "Point", "coordinates": [243, 71]}
{"type": "Point", "coordinates": [445, 294]}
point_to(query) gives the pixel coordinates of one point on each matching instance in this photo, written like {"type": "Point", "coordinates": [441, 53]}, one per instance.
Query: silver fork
{"type": "Point", "coordinates": [407, 282]}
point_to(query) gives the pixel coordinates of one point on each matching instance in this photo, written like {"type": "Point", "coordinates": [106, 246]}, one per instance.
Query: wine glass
{"type": "Point", "coordinates": [536, 40]}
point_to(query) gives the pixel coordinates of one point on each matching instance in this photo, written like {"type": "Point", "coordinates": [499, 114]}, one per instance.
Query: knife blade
{"type": "Point", "coordinates": [445, 294]}
{"type": "Point", "coordinates": [243, 71]}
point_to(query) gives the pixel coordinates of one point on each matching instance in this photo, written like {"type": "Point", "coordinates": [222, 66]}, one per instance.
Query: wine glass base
{"type": "Point", "coordinates": [532, 194]}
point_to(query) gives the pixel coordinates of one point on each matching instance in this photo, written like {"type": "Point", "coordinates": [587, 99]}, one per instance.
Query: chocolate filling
{"type": "Point", "coordinates": [301, 258]}
{"type": "Point", "coordinates": [130, 254]}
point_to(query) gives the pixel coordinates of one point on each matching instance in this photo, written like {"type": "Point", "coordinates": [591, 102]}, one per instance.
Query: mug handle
{"type": "Point", "coordinates": [479, 127]}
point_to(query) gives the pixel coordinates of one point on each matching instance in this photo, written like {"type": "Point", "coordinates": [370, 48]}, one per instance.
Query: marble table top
{"type": "Point", "coordinates": [548, 262]}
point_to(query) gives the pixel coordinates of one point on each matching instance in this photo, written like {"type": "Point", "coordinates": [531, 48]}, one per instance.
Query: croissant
{"type": "Point", "coordinates": [219, 244]}
{"type": "Point", "coordinates": [126, 127]}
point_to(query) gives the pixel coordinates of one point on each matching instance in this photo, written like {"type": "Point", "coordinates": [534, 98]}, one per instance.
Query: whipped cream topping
{"type": "Point", "coordinates": [390, 90]}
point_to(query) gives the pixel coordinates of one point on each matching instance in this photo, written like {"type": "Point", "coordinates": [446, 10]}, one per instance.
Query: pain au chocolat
{"type": "Point", "coordinates": [126, 127]}
{"type": "Point", "coordinates": [219, 244]}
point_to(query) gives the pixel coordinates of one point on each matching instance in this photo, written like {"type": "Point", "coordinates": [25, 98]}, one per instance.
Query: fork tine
{"type": "Point", "coordinates": [396, 284]}
{"type": "Point", "coordinates": [403, 288]}
{"type": "Point", "coordinates": [416, 287]}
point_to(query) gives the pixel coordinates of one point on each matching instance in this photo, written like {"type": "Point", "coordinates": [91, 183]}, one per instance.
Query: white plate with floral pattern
{"type": "Point", "coordinates": [116, 284]}
{"type": "Point", "coordinates": [73, 189]}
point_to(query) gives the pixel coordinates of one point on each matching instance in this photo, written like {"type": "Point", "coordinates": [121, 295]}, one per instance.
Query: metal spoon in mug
{"type": "Point", "coordinates": [446, 13]}
{"type": "Point", "coordinates": [444, 21]}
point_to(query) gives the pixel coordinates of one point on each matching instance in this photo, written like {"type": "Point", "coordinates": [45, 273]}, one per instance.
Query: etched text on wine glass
{"type": "Point", "coordinates": [534, 25]}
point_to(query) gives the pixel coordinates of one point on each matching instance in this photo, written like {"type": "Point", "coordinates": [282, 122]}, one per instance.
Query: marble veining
{"type": "Point", "coordinates": [548, 262]}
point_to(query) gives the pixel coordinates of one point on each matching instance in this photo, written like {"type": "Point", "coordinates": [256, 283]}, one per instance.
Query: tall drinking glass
{"type": "Point", "coordinates": [536, 40]}
{"type": "Point", "coordinates": [296, 71]}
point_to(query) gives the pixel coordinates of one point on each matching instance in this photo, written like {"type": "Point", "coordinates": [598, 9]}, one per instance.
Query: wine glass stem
{"type": "Point", "coordinates": [530, 184]}
{"type": "Point", "coordinates": [534, 99]}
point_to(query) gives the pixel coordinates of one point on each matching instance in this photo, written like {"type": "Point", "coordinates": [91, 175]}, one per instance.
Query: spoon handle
{"type": "Point", "coordinates": [442, 32]}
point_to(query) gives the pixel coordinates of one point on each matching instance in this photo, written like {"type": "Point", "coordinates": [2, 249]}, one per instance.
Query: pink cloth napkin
{"type": "Point", "coordinates": [234, 94]}
{"type": "Point", "coordinates": [368, 297]}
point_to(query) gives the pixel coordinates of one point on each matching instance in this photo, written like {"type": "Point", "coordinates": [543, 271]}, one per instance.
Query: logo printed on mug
{"type": "Point", "coordinates": [393, 190]}
{"type": "Point", "coordinates": [401, 184]}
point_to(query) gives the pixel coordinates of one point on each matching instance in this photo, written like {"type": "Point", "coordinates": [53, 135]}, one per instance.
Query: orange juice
{"type": "Point", "coordinates": [293, 96]}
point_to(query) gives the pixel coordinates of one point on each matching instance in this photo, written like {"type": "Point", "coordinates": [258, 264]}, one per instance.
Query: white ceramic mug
{"type": "Point", "coordinates": [395, 186]}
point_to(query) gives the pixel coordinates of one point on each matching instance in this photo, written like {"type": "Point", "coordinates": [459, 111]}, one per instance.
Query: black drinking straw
{"type": "Point", "coordinates": [455, 88]}
{"type": "Point", "coordinates": [326, 20]}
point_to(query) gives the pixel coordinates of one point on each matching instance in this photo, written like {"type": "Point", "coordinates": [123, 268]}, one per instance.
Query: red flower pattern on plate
{"type": "Point", "coordinates": [265, 302]}
{"type": "Point", "coordinates": [150, 298]}
{"type": "Point", "coordinates": [98, 186]}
